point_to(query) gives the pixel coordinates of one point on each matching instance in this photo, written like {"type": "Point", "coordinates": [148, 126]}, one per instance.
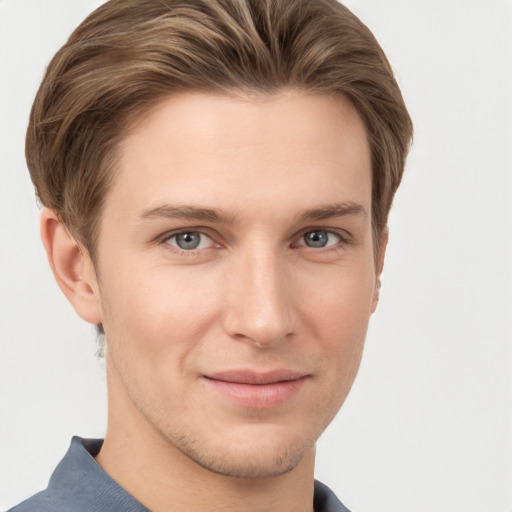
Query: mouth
{"type": "Point", "coordinates": [258, 390]}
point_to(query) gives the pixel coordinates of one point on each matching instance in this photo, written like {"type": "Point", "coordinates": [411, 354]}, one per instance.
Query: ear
{"type": "Point", "coordinates": [71, 266]}
{"type": "Point", "coordinates": [379, 266]}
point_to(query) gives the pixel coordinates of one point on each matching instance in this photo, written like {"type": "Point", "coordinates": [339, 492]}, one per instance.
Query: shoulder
{"type": "Point", "coordinates": [79, 484]}
{"type": "Point", "coordinates": [40, 502]}
{"type": "Point", "coordinates": [67, 483]}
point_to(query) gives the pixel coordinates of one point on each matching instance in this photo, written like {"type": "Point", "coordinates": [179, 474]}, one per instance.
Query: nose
{"type": "Point", "coordinates": [257, 305]}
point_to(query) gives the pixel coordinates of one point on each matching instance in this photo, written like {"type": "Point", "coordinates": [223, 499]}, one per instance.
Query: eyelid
{"type": "Point", "coordinates": [164, 239]}
{"type": "Point", "coordinates": [302, 243]}
{"type": "Point", "coordinates": [344, 237]}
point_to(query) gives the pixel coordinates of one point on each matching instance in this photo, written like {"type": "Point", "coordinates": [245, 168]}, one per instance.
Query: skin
{"type": "Point", "coordinates": [253, 179]}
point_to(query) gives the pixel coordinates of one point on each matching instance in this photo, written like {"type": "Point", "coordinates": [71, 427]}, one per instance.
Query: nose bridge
{"type": "Point", "coordinates": [258, 305]}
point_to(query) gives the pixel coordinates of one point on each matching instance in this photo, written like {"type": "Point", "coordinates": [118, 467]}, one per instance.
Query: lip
{"type": "Point", "coordinates": [258, 390]}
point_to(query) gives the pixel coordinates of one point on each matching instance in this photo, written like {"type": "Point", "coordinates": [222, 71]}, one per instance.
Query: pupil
{"type": "Point", "coordinates": [316, 239]}
{"type": "Point", "coordinates": [188, 240]}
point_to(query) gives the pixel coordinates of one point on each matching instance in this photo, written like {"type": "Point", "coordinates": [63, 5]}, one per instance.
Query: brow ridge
{"type": "Point", "coordinates": [188, 212]}
{"type": "Point", "coordinates": [323, 212]}
{"type": "Point", "coordinates": [333, 210]}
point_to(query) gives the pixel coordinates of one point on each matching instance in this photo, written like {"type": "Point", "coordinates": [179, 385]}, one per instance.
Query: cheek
{"type": "Point", "coordinates": [158, 310]}
{"type": "Point", "coordinates": [338, 314]}
{"type": "Point", "coordinates": [342, 299]}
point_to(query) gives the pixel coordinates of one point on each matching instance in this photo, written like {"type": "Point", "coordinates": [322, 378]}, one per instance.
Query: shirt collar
{"type": "Point", "coordinates": [82, 484]}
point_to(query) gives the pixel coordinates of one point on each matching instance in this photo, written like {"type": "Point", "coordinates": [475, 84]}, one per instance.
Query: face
{"type": "Point", "coordinates": [236, 275]}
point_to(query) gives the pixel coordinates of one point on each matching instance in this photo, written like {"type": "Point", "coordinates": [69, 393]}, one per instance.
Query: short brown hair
{"type": "Point", "coordinates": [130, 54]}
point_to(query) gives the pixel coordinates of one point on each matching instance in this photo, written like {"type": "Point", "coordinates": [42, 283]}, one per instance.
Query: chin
{"type": "Point", "coordinates": [248, 467]}
{"type": "Point", "coordinates": [260, 453]}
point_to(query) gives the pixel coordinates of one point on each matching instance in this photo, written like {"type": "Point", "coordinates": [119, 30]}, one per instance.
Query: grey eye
{"type": "Point", "coordinates": [188, 241]}
{"type": "Point", "coordinates": [319, 238]}
{"type": "Point", "coordinates": [316, 238]}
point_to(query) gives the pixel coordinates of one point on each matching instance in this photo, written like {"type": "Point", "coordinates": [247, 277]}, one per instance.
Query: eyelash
{"type": "Point", "coordinates": [164, 240]}
{"type": "Point", "coordinates": [344, 239]}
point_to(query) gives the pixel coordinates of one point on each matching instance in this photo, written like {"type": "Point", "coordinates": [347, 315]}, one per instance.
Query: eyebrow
{"type": "Point", "coordinates": [334, 210]}
{"type": "Point", "coordinates": [188, 212]}
{"type": "Point", "coordinates": [324, 212]}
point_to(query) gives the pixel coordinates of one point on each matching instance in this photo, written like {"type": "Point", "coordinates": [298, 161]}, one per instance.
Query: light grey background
{"type": "Point", "coordinates": [428, 426]}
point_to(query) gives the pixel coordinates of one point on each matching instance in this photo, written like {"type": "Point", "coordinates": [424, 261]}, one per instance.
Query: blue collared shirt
{"type": "Point", "coordinates": [79, 484]}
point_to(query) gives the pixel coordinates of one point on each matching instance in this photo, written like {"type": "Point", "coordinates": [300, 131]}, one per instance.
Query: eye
{"type": "Point", "coordinates": [189, 240]}
{"type": "Point", "coordinates": [319, 238]}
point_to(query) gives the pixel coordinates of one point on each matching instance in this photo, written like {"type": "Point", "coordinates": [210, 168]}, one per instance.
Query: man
{"type": "Point", "coordinates": [216, 179]}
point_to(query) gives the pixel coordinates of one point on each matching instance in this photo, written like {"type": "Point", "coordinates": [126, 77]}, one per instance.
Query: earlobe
{"type": "Point", "coordinates": [379, 266]}
{"type": "Point", "coordinates": [71, 266]}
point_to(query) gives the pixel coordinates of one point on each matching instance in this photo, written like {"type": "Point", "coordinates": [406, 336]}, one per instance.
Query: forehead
{"type": "Point", "coordinates": [244, 152]}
